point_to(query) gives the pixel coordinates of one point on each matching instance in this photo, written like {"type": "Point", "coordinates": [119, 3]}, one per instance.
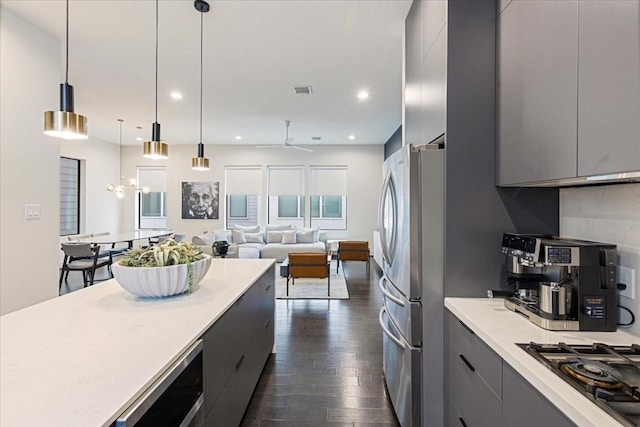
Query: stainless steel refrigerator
{"type": "Point", "coordinates": [411, 222]}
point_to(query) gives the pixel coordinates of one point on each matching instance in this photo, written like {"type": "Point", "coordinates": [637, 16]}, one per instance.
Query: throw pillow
{"type": "Point", "coordinates": [289, 237]}
{"type": "Point", "coordinates": [274, 236]}
{"type": "Point", "coordinates": [239, 236]}
{"type": "Point", "coordinates": [278, 227]}
{"type": "Point", "coordinates": [254, 237]}
{"type": "Point", "coordinates": [221, 234]}
{"type": "Point", "coordinates": [304, 236]}
{"type": "Point", "coordinates": [247, 229]}
{"type": "Point", "coordinates": [314, 230]}
{"type": "Point", "coordinates": [205, 239]}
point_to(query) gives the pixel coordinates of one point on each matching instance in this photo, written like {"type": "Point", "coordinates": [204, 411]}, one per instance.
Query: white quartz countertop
{"type": "Point", "coordinates": [501, 329]}
{"type": "Point", "coordinates": [82, 359]}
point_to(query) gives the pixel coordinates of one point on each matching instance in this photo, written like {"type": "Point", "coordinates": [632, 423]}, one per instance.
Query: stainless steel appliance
{"type": "Point", "coordinates": [607, 375]}
{"type": "Point", "coordinates": [560, 283]}
{"type": "Point", "coordinates": [175, 399]}
{"type": "Point", "coordinates": [411, 222]}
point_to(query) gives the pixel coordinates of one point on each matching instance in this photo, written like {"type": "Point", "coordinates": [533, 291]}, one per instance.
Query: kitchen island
{"type": "Point", "coordinates": [500, 329]}
{"type": "Point", "coordinates": [82, 359]}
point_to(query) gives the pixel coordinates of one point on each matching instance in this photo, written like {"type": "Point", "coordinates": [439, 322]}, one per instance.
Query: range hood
{"type": "Point", "coordinates": [614, 178]}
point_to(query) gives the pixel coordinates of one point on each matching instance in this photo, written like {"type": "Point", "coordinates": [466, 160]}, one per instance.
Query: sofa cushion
{"type": "Point", "coordinates": [305, 236]}
{"type": "Point", "coordinates": [221, 235]}
{"type": "Point", "coordinates": [238, 236]}
{"type": "Point", "coordinates": [274, 236]}
{"type": "Point", "coordinates": [206, 239]}
{"type": "Point", "coordinates": [280, 251]}
{"type": "Point", "coordinates": [253, 237]}
{"type": "Point", "coordinates": [314, 230]}
{"type": "Point", "coordinates": [289, 237]}
{"type": "Point", "coordinates": [278, 227]}
{"type": "Point", "coordinates": [247, 229]}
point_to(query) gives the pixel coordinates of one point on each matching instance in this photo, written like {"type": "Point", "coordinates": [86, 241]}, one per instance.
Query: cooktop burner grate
{"type": "Point", "coordinates": [607, 375]}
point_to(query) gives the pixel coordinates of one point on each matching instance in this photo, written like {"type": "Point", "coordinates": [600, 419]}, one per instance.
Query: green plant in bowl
{"type": "Point", "coordinates": [164, 254]}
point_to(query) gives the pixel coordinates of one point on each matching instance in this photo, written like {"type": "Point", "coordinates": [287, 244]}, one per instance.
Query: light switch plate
{"type": "Point", "coordinates": [627, 275]}
{"type": "Point", "coordinates": [31, 211]}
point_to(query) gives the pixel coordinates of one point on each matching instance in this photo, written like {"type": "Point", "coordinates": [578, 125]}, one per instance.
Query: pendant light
{"type": "Point", "coordinates": [156, 149]}
{"type": "Point", "coordinates": [65, 123]}
{"type": "Point", "coordinates": [200, 163]}
{"type": "Point", "coordinates": [121, 189]}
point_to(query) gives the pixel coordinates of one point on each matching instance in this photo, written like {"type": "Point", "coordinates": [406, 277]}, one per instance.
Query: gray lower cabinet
{"type": "Point", "coordinates": [609, 88]}
{"type": "Point", "coordinates": [537, 79]}
{"type": "Point", "coordinates": [236, 349]}
{"type": "Point", "coordinates": [524, 406]}
{"type": "Point", "coordinates": [474, 378]}
{"type": "Point", "coordinates": [483, 391]}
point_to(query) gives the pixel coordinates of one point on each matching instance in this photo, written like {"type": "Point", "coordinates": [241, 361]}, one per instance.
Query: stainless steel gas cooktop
{"type": "Point", "coordinates": [608, 375]}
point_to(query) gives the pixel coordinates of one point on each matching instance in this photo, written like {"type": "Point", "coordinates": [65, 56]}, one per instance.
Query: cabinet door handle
{"type": "Point", "coordinates": [239, 362]}
{"type": "Point", "coordinates": [462, 423]}
{"type": "Point", "coordinates": [466, 327]}
{"type": "Point", "coordinates": [268, 322]}
{"type": "Point", "coordinates": [466, 362]}
{"type": "Point", "coordinates": [267, 288]}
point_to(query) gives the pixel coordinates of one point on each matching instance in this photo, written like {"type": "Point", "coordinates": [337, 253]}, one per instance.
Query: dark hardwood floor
{"type": "Point", "coordinates": [327, 369]}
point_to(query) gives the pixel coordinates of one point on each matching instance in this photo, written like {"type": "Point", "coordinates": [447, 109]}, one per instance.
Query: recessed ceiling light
{"type": "Point", "coordinates": [176, 95]}
{"type": "Point", "coordinates": [139, 139]}
{"type": "Point", "coordinates": [363, 94]}
{"type": "Point", "coordinates": [238, 137]}
{"type": "Point", "coordinates": [352, 137]}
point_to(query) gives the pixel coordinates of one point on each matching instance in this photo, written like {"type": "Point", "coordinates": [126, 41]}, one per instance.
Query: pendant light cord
{"type": "Point", "coordinates": [120, 162]}
{"type": "Point", "coordinates": [156, 61]}
{"type": "Point", "coordinates": [201, 43]}
{"type": "Point", "coordinates": [66, 76]}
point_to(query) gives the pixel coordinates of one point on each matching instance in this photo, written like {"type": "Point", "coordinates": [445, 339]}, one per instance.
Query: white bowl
{"type": "Point", "coordinates": [159, 281]}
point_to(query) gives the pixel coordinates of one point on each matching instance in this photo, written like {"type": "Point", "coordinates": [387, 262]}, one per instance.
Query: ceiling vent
{"type": "Point", "coordinates": [302, 90]}
{"type": "Point", "coordinates": [316, 138]}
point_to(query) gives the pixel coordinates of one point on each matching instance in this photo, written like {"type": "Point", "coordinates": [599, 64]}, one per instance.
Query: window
{"type": "Point", "coordinates": [69, 196]}
{"type": "Point", "coordinates": [243, 189]}
{"type": "Point", "coordinates": [328, 189]}
{"type": "Point", "coordinates": [286, 195]}
{"type": "Point", "coordinates": [152, 207]}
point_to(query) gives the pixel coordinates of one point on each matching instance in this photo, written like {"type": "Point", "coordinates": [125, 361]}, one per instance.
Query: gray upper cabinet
{"type": "Point", "coordinates": [537, 91]}
{"type": "Point", "coordinates": [434, 17]}
{"type": "Point", "coordinates": [413, 90]}
{"type": "Point", "coordinates": [609, 87]}
{"type": "Point", "coordinates": [434, 89]}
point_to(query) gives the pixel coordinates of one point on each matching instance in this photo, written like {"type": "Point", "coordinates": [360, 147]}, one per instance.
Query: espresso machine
{"type": "Point", "coordinates": [562, 284]}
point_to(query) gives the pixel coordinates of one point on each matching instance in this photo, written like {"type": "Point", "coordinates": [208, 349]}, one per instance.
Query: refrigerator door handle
{"type": "Point", "coordinates": [388, 247]}
{"type": "Point", "coordinates": [387, 332]}
{"type": "Point", "coordinates": [387, 293]}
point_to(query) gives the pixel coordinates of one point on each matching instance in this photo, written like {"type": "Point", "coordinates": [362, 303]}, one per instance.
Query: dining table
{"type": "Point", "coordinates": [127, 237]}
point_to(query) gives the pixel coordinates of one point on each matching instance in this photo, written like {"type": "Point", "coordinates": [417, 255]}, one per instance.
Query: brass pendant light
{"type": "Point", "coordinates": [65, 123]}
{"type": "Point", "coordinates": [156, 149]}
{"type": "Point", "coordinates": [200, 163]}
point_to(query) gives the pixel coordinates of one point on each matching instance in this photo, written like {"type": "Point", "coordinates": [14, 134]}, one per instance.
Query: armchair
{"type": "Point", "coordinates": [353, 250]}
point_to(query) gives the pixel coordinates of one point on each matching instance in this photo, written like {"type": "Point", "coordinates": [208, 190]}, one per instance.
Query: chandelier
{"type": "Point", "coordinates": [121, 189]}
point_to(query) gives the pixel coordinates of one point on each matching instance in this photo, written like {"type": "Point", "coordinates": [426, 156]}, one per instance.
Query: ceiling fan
{"type": "Point", "coordinates": [287, 141]}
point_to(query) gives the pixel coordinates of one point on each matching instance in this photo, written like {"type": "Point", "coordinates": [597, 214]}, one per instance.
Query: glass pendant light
{"type": "Point", "coordinates": [200, 163]}
{"type": "Point", "coordinates": [156, 149]}
{"type": "Point", "coordinates": [65, 123]}
{"type": "Point", "coordinates": [120, 189]}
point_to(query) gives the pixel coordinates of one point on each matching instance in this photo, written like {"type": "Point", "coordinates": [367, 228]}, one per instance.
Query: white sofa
{"type": "Point", "coordinates": [272, 242]}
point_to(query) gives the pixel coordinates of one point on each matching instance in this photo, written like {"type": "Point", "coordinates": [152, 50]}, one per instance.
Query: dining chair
{"type": "Point", "coordinates": [84, 257]}
{"type": "Point", "coordinates": [353, 250]}
{"type": "Point", "coordinates": [113, 250]}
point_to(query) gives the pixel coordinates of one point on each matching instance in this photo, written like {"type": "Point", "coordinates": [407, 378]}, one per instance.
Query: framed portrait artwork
{"type": "Point", "coordinates": [200, 200]}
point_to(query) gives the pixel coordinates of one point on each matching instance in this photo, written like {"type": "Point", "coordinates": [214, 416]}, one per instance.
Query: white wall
{"type": "Point", "coordinates": [30, 165]}
{"type": "Point", "coordinates": [100, 210]}
{"type": "Point", "coordinates": [609, 214]}
{"type": "Point", "coordinates": [364, 179]}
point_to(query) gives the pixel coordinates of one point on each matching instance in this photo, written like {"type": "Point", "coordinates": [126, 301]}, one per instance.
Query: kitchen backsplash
{"type": "Point", "coordinates": [608, 214]}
